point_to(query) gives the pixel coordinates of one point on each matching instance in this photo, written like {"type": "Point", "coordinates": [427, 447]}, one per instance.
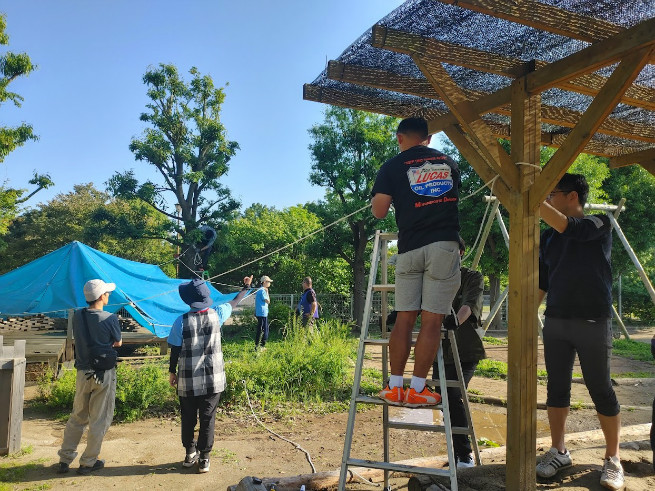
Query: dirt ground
{"type": "Point", "coordinates": [148, 454]}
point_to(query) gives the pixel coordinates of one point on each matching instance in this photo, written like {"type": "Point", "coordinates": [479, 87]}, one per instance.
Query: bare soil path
{"type": "Point", "coordinates": [148, 454]}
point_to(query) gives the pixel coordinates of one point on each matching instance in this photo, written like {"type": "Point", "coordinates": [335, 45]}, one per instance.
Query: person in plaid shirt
{"type": "Point", "coordinates": [196, 366]}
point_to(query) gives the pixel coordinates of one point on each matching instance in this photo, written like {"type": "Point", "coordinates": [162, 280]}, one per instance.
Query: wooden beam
{"type": "Point", "coordinates": [472, 154]}
{"type": "Point", "coordinates": [493, 153]}
{"type": "Point", "coordinates": [594, 57]}
{"type": "Point", "coordinates": [560, 116]}
{"type": "Point", "coordinates": [362, 102]}
{"type": "Point", "coordinates": [523, 294]}
{"type": "Point", "coordinates": [543, 17]}
{"type": "Point", "coordinates": [642, 157]}
{"type": "Point", "coordinates": [409, 43]}
{"type": "Point", "coordinates": [592, 118]}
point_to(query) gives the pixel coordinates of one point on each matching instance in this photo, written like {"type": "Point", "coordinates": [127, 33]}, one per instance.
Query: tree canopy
{"type": "Point", "coordinates": [347, 151]}
{"type": "Point", "coordinates": [13, 66]}
{"type": "Point", "coordinates": [187, 144]}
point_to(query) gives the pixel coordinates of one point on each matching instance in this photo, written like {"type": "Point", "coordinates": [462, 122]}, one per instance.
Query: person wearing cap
{"type": "Point", "coordinates": [196, 366]}
{"type": "Point", "coordinates": [94, 398]}
{"type": "Point", "coordinates": [261, 312]}
{"type": "Point", "coordinates": [307, 305]}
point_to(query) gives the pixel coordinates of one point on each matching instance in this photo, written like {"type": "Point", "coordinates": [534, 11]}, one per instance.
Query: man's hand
{"type": "Point", "coordinates": [449, 323]}
{"type": "Point", "coordinates": [172, 379]}
{"type": "Point", "coordinates": [247, 281]}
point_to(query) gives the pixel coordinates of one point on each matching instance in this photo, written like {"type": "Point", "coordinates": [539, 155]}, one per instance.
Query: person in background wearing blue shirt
{"type": "Point", "coordinates": [308, 305]}
{"type": "Point", "coordinates": [95, 397]}
{"type": "Point", "coordinates": [261, 312]}
{"type": "Point", "coordinates": [575, 271]}
{"type": "Point", "coordinates": [196, 366]}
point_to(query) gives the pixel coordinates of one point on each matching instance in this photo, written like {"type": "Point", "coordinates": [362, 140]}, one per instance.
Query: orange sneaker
{"type": "Point", "coordinates": [393, 396]}
{"type": "Point", "coordinates": [424, 398]}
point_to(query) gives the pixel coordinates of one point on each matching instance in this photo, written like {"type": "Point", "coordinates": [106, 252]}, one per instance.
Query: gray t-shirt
{"type": "Point", "coordinates": [104, 330]}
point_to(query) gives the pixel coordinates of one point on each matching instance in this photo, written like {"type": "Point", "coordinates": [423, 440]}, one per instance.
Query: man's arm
{"type": "Point", "coordinates": [247, 281]}
{"type": "Point", "coordinates": [380, 204]}
{"type": "Point", "coordinates": [552, 217]}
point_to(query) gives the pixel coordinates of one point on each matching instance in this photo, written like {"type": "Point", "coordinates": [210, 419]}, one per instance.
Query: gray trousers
{"type": "Point", "coordinates": [93, 406]}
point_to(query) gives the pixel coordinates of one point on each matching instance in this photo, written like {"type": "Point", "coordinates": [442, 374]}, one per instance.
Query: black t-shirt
{"type": "Point", "coordinates": [104, 330]}
{"type": "Point", "coordinates": [424, 186]}
{"type": "Point", "coordinates": [575, 269]}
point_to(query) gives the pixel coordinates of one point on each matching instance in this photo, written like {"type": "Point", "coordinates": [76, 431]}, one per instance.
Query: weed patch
{"type": "Point", "coordinates": [632, 349]}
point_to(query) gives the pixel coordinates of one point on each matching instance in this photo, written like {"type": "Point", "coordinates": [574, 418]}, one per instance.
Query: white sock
{"type": "Point", "coordinates": [395, 381]}
{"type": "Point", "coordinates": [418, 383]}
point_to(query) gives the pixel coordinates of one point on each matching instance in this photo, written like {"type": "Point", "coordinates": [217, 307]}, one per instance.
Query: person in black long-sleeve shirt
{"type": "Point", "coordinates": [575, 271]}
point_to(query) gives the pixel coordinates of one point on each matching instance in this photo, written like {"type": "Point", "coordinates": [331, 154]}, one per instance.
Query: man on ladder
{"type": "Point", "coordinates": [423, 185]}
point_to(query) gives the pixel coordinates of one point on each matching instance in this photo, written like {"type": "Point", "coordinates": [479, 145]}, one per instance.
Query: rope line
{"type": "Point", "coordinates": [309, 457]}
{"type": "Point", "coordinates": [292, 243]}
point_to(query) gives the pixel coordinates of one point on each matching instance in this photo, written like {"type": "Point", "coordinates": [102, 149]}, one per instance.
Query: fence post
{"type": "Point", "coordinates": [12, 385]}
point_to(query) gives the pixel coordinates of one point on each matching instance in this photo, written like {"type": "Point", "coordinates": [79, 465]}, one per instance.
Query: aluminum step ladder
{"type": "Point", "coordinates": [379, 259]}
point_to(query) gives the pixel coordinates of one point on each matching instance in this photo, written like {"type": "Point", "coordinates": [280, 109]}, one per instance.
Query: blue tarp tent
{"type": "Point", "coordinates": [53, 284]}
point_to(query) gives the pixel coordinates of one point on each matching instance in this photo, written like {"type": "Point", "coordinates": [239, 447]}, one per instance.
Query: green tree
{"type": "Point", "coordinates": [261, 230]}
{"type": "Point", "coordinates": [13, 66]}
{"type": "Point", "coordinates": [89, 216]}
{"type": "Point", "coordinates": [347, 151]}
{"type": "Point", "coordinates": [187, 144]}
{"type": "Point", "coordinates": [637, 186]}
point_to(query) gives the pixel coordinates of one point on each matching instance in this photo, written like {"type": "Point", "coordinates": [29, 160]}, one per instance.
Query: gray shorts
{"type": "Point", "coordinates": [428, 278]}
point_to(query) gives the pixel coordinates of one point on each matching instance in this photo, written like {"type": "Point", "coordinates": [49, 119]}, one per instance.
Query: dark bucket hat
{"type": "Point", "coordinates": [196, 294]}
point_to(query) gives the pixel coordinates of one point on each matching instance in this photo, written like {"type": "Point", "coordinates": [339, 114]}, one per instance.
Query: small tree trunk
{"type": "Point", "coordinates": [494, 293]}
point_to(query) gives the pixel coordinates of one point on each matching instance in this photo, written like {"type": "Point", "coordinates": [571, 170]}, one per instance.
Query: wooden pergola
{"type": "Point", "coordinates": [571, 74]}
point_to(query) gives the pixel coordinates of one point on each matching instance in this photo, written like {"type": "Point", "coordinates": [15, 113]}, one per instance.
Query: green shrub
{"type": "Point", "coordinates": [632, 349]}
{"type": "Point", "coordinates": [278, 316]}
{"type": "Point", "coordinates": [308, 365]}
{"type": "Point", "coordinates": [140, 391]}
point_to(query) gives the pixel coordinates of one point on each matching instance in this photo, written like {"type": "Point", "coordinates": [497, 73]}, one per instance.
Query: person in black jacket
{"type": "Point", "coordinates": [575, 271]}
{"type": "Point", "coordinates": [468, 306]}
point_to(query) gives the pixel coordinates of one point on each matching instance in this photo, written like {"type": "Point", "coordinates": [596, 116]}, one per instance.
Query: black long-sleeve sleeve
{"type": "Point", "coordinates": [175, 356]}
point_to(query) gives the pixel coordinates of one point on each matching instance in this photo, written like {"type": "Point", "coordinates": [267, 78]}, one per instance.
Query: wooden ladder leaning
{"type": "Point", "coordinates": [379, 259]}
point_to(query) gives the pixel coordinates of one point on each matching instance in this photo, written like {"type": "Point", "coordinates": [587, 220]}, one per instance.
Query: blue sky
{"type": "Point", "coordinates": [85, 98]}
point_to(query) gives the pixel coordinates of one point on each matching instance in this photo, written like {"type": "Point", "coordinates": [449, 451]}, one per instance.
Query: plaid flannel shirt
{"type": "Point", "coordinates": [200, 368]}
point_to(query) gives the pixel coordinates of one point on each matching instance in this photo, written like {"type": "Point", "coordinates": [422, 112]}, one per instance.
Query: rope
{"type": "Point", "coordinates": [309, 457]}
{"type": "Point", "coordinates": [292, 243]}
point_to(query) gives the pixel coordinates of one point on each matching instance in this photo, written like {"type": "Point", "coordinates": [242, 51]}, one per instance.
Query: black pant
{"type": "Point", "coordinates": [190, 407]}
{"type": "Point", "coordinates": [461, 443]}
{"type": "Point", "coordinates": [262, 331]}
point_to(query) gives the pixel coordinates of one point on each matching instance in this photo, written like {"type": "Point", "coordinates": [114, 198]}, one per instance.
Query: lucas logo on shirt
{"type": "Point", "coordinates": [430, 179]}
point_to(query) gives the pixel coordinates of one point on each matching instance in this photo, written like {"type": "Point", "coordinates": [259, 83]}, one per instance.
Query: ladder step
{"type": "Point", "coordinates": [376, 400]}
{"type": "Point", "coordinates": [389, 236]}
{"type": "Point", "coordinates": [399, 425]}
{"type": "Point", "coordinates": [384, 288]}
{"type": "Point", "coordinates": [390, 466]}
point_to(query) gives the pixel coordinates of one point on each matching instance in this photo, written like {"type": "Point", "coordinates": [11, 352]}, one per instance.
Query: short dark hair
{"type": "Point", "coordinates": [575, 182]}
{"type": "Point", "coordinates": [416, 126]}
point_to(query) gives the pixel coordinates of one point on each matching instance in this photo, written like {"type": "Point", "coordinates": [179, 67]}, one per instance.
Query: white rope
{"type": "Point", "coordinates": [292, 243]}
{"type": "Point", "coordinates": [536, 166]}
{"type": "Point", "coordinates": [309, 457]}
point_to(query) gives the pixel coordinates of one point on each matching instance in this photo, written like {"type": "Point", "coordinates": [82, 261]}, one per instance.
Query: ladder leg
{"type": "Point", "coordinates": [343, 475]}
{"type": "Point", "coordinates": [465, 398]}
{"type": "Point", "coordinates": [452, 463]}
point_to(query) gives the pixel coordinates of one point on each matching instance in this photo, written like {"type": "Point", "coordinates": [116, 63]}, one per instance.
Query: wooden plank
{"type": "Point", "coordinates": [484, 61]}
{"type": "Point", "coordinates": [543, 17]}
{"type": "Point", "coordinates": [17, 397]}
{"type": "Point", "coordinates": [367, 103]}
{"type": "Point", "coordinates": [523, 286]}
{"type": "Point", "coordinates": [560, 116]}
{"type": "Point", "coordinates": [470, 121]}
{"type": "Point", "coordinates": [592, 118]}
{"type": "Point", "coordinates": [594, 57]}
{"type": "Point", "coordinates": [457, 136]}
{"type": "Point", "coordinates": [642, 157]}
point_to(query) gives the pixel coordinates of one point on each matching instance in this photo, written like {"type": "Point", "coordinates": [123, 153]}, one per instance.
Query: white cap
{"type": "Point", "coordinates": [94, 289]}
{"type": "Point", "coordinates": [265, 278]}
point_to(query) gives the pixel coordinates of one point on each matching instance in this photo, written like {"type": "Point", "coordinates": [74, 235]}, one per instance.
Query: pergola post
{"type": "Point", "coordinates": [523, 293]}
